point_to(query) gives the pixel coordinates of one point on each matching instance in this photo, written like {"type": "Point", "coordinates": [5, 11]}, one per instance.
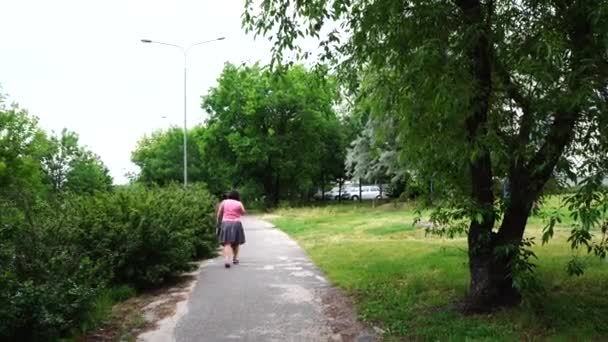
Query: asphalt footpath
{"type": "Point", "coordinates": [274, 294]}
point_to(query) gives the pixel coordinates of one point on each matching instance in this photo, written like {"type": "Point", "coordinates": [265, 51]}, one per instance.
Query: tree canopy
{"type": "Point", "coordinates": [274, 134]}
{"type": "Point", "coordinates": [277, 129]}
{"type": "Point", "coordinates": [70, 167]}
{"type": "Point", "coordinates": [160, 156]}
{"type": "Point", "coordinates": [32, 164]}
{"type": "Point", "coordinates": [22, 145]}
{"type": "Point", "coordinates": [477, 90]}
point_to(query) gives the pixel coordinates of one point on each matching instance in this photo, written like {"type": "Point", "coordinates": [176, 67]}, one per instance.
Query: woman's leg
{"type": "Point", "coordinates": [227, 254]}
{"type": "Point", "coordinates": [235, 252]}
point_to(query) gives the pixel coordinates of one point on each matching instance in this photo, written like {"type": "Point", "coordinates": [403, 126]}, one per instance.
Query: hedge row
{"type": "Point", "coordinates": [55, 258]}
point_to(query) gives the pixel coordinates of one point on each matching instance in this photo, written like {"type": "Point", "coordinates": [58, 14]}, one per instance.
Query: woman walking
{"type": "Point", "coordinates": [231, 233]}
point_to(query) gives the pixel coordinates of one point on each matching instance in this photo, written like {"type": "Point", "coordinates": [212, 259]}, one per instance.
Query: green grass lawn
{"type": "Point", "coordinates": [407, 282]}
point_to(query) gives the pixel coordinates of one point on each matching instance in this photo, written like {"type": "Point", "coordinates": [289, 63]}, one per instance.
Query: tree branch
{"type": "Point", "coordinates": [562, 130]}
{"type": "Point", "coordinates": [560, 134]}
{"type": "Point", "coordinates": [479, 53]}
{"type": "Point", "coordinates": [514, 92]}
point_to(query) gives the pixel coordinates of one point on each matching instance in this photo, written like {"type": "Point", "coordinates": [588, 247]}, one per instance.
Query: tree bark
{"type": "Point", "coordinates": [491, 273]}
{"type": "Point", "coordinates": [269, 183]}
{"type": "Point", "coordinates": [489, 277]}
{"type": "Point", "coordinates": [277, 189]}
{"type": "Point", "coordinates": [490, 285]}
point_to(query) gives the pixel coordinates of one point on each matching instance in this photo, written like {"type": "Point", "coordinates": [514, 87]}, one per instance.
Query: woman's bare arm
{"type": "Point", "coordinates": [220, 212]}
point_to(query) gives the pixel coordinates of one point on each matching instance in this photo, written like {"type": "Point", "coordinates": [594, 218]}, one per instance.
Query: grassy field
{"type": "Point", "coordinates": [406, 282]}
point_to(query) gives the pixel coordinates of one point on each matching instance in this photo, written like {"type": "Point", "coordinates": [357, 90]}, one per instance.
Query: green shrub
{"type": "Point", "coordinates": [121, 293]}
{"type": "Point", "coordinates": [166, 228]}
{"type": "Point", "coordinates": [141, 236]}
{"type": "Point", "coordinates": [100, 309]}
{"type": "Point", "coordinates": [46, 283]}
{"type": "Point", "coordinates": [57, 259]}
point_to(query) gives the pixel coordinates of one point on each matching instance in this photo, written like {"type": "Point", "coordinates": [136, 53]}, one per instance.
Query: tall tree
{"type": "Point", "coordinates": [160, 156]}
{"type": "Point", "coordinates": [88, 174]}
{"type": "Point", "coordinates": [273, 127]}
{"type": "Point", "coordinates": [63, 151]}
{"type": "Point", "coordinates": [22, 145]}
{"type": "Point", "coordinates": [71, 167]}
{"type": "Point", "coordinates": [479, 89]}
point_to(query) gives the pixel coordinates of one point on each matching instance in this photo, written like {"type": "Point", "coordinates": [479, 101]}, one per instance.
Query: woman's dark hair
{"type": "Point", "coordinates": [234, 195]}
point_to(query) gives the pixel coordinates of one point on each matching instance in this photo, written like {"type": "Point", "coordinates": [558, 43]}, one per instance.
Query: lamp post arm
{"type": "Point", "coordinates": [184, 51]}
{"type": "Point", "coordinates": [200, 43]}
{"type": "Point", "coordinates": [161, 43]}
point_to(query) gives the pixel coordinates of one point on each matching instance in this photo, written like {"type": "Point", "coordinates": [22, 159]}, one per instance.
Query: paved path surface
{"type": "Point", "coordinates": [273, 295]}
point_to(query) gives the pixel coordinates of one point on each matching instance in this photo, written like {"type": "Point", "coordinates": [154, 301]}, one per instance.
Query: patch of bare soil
{"type": "Point", "coordinates": [341, 314]}
{"type": "Point", "coordinates": [142, 313]}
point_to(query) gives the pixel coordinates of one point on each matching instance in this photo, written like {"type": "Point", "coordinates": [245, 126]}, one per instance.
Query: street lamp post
{"type": "Point", "coordinates": [184, 51]}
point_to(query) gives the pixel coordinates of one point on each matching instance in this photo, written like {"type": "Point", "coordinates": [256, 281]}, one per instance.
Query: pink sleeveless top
{"type": "Point", "coordinates": [232, 210]}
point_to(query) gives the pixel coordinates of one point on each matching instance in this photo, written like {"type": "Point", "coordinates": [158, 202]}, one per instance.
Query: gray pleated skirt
{"type": "Point", "coordinates": [231, 233]}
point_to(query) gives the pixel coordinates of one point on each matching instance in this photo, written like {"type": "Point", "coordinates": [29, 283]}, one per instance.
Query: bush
{"type": "Point", "coordinates": [165, 228]}
{"type": "Point", "coordinates": [47, 283]}
{"type": "Point", "coordinates": [58, 257]}
{"type": "Point", "coordinates": [141, 236]}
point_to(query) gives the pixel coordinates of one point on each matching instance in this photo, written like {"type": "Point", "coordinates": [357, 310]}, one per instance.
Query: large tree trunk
{"type": "Point", "coordinates": [489, 277]}
{"type": "Point", "coordinates": [491, 272]}
{"type": "Point", "coordinates": [277, 189]}
{"type": "Point", "coordinates": [491, 283]}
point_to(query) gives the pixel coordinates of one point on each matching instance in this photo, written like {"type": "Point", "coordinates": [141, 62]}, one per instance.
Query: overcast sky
{"type": "Point", "coordinates": [80, 65]}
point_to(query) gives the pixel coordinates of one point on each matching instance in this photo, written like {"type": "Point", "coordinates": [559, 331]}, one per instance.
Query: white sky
{"type": "Point", "coordinates": [80, 64]}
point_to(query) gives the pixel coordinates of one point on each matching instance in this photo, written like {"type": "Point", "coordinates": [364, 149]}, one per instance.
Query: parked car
{"type": "Point", "coordinates": [335, 193]}
{"type": "Point", "coordinates": [332, 194]}
{"type": "Point", "coordinates": [368, 192]}
{"type": "Point", "coordinates": [350, 190]}
{"type": "Point", "coordinates": [326, 195]}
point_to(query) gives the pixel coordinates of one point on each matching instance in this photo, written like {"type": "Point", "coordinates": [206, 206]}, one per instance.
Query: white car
{"type": "Point", "coordinates": [350, 191]}
{"type": "Point", "coordinates": [335, 193]}
{"type": "Point", "coordinates": [368, 192]}
{"type": "Point", "coordinates": [332, 194]}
